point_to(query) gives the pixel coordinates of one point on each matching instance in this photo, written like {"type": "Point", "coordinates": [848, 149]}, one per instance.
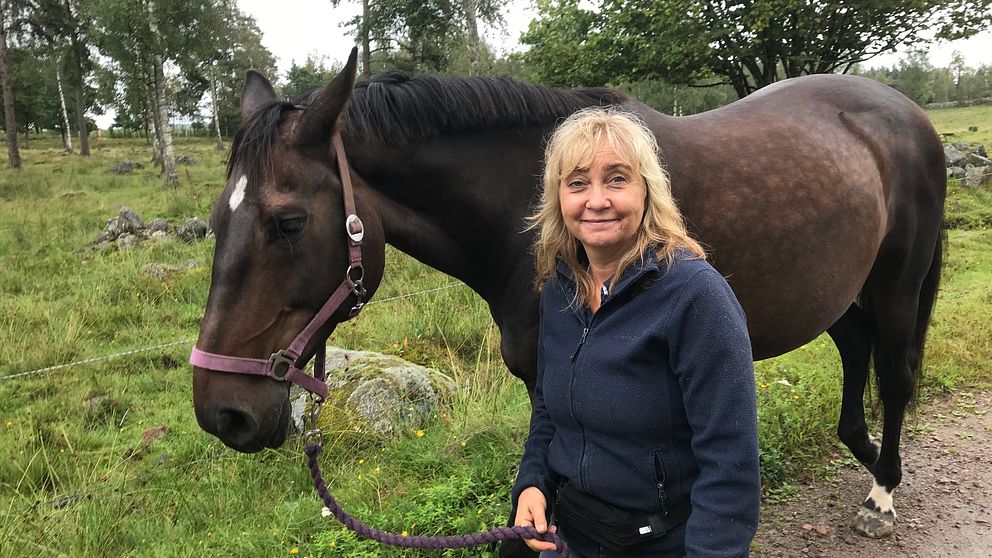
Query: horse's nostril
{"type": "Point", "coordinates": [236, 427]}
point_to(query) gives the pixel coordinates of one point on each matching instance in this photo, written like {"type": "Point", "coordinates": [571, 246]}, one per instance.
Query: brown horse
{"type": "Point", "coordinates": [820, 198]}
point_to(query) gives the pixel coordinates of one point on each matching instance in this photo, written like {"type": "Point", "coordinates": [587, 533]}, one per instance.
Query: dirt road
{"type": "Point", "coordinates": [944, 503]}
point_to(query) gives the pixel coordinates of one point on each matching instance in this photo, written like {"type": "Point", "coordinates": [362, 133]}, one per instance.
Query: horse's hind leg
{"type": "Point", "coordinates": [901, 300]}
{"type": "Point", "coordinates": [853, 334]}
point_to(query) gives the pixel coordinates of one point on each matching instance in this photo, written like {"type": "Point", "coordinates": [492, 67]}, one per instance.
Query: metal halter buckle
{"type": "Point", "coordinates": [355, 233]}
{"type": "Point", "coordinates": [281, 364]}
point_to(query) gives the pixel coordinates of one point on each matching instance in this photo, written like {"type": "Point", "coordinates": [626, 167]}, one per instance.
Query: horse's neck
{"type": "Point", "coordinates": [457, 203]}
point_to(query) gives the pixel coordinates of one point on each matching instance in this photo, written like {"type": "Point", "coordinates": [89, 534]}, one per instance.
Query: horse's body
{"type": "Point", "coordinates": [807, 194]}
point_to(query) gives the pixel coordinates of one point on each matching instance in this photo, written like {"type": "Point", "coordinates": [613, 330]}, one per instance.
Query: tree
{"type": "Point", "coordinates": [60, 26]}
{"type": "Point", "coordinates": [421, 35]}
{"type": "Point", "coordinates": [745, 43]}
{"type": "Point", "coordinates": [10, 118]}
{"type": "Point", "coordinates": [310, 75]}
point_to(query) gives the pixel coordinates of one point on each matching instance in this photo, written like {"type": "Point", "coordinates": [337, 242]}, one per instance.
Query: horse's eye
{"type": "Point", "coordinates": [290, 225]}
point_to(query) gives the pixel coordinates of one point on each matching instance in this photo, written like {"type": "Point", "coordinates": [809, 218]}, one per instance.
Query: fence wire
{"type": "Point", "coordinates": [190, 340]}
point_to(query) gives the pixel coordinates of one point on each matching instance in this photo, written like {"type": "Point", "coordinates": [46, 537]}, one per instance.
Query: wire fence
{"type": "Point", "coordinates": [88, 491]}
{"type": "Point", "coordinates": [190, 340]}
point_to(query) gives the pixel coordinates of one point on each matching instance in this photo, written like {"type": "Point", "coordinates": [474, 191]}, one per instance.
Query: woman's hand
{"type": "Point", "coordinates": [532, 509]}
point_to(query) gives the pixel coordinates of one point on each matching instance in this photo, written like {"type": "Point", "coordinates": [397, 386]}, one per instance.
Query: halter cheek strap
{"type": "Point", "coordinates": [284, 365]}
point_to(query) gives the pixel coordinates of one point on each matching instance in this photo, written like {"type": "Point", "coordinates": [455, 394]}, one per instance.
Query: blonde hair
{"type": "Point", "coordinates": [571, 146]}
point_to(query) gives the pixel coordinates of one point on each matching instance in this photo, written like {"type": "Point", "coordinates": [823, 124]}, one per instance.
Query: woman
{"type": "Point", "coordinates": [644, 428]}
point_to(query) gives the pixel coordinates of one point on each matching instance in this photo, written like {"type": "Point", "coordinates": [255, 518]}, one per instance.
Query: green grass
{"type": "Point", "coordinates": [957, 121]}
{"type": "Point", "coordinates": [77, 479]}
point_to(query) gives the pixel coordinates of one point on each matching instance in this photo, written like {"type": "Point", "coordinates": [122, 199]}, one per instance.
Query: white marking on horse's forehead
{"type": "Point", "coordinates": [238, 195]}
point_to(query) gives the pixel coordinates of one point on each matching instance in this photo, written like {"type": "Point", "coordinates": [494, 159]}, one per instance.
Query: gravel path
{"type": "Point", "coordinates": [944, 503]}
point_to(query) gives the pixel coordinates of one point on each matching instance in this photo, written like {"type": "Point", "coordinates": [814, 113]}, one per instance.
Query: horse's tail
{"type": "Point", "coordinates": [928, 296]}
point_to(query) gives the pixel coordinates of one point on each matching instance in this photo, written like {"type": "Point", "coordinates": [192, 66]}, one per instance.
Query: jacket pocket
{"type": "Point", "coordinates": [658, 466]}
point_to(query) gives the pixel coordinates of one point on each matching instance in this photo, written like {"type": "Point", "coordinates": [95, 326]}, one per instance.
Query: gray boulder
{"type": "Point", "coordinates": [980, 150]}
{"type": "Point", "coordinates": [193, 230]}
{"type": "Point", "coordinates": [977, 176]}
{"type": "Point", "coordinates": [125, 167]}
{"type": "Point", "coordinates": [962, 145]}
{"type": "Point", "coordinates": [387, 394]}
{"type": "Point", "coordinates": [953, 157]}
{"type": "Point", "coordinates": [158, 224]}
{"type": "Point", "coordinates": [185, 160]}
{"type": "Point", "coordinates": [978, 160]}
{"type": "Point", "coordinates": [127, 221]}
{"type": "Point", "coordinates": [955, 172]}
{"type": "Point", "coordinates": [127, 241]}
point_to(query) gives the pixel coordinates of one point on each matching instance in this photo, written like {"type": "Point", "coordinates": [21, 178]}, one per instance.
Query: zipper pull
{"type": "Point", "coordinates": [582, 341]}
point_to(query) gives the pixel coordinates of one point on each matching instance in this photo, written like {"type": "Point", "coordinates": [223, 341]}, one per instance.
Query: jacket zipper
{"type": "Point", "coordinates": [659, 475]}
{"type": "Point", "coordinates": [582, 341]}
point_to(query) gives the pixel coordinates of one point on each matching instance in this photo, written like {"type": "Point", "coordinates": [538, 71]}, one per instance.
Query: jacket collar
{"type": "Point", "coordinates": [648, 263]}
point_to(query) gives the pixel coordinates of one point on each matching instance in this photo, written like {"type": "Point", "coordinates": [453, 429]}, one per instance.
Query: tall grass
{"type": "Point", "coordinates": [79, 478]}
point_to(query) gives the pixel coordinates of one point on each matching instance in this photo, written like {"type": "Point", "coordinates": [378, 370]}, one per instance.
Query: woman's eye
{"type": "Point", "coordinates": [291, 225]}
{"type": "Point", "coordinates": [618, 179]}
{"type": "Point", "coordinates": [575, 184]}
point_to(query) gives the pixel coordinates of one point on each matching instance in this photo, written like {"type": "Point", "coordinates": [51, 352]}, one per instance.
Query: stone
{"type": "Point", "coordinates": [159, 271]}
{"type": "Point", "coordinates": [975, 177]}
{"type": "Point", "coordinates": [972, 128]}
{"type": "Point", "coordinates": [978, 160]}
{"type": "Point", "coordinates": [953, 157]}
{"type": "Point", "coordinates": [962, 145]}
{"type": "Point", "coordinates": [126, 221]}
{"type": "Point", "coordinates": [127, 241]}
{"type": "Point", "coordinates": [980, 150]}
{"type": "Point", "coordinates": [124, 167]}
{"type": "Point", "coordinates": [193, 230]}
{"type": "Point", "coordinates": [387, 394]}
{"type": "Point", "coordinates": [158, 224]}
{"type": "Point", "coordinates": [160, 236]}
{"type": "Point", "coordinates": [184, 160]}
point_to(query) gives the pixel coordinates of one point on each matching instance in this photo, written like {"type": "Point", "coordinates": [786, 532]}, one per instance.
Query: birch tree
{"type": "Point", "coordinates": [158, 80]}
{"type": "Point", "coordinates": [10, 118]}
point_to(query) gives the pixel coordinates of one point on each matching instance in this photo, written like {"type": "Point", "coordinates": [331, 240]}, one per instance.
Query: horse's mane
{"type": "Point", "coordinates": [396, 109]}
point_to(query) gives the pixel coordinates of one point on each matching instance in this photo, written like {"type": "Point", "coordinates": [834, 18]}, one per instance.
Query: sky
{"type": "Point", "coordinates": [295, 29]}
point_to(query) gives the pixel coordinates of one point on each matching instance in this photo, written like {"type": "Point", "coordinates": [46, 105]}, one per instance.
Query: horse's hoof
{"type": "Point", "coordinates": [875, 524]}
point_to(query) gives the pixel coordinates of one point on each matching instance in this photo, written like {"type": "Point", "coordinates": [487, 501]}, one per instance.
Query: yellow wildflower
{"type": "Point", "coordinates": [294, 551]}
{"type": "Point", "coordinates": [420, 433]}
{"type": "Point", "coordinates": [404, 534]}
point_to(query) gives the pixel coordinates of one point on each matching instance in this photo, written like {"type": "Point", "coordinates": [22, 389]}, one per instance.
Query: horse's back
{"type": "Point", "coordinates": [795, 190]}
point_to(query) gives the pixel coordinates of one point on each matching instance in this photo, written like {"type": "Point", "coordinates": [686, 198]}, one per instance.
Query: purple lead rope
{"type": "Point", "coordinates": [504, 533]}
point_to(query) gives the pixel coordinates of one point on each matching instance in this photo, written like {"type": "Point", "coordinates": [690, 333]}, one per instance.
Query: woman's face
{"type": "Point", "coordinates": [603, 204]}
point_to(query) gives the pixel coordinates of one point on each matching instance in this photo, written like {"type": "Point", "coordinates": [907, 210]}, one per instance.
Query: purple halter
{"type": "Point", "coordinates": [284, 364]}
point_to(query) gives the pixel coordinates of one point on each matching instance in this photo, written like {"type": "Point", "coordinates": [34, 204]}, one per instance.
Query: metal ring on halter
{"type": "Point", "coordinates": [281, 365]}
{"type": "Point", "coordinates": [361, 273]}
{"type": "Point", "coordinates": [358, 235]}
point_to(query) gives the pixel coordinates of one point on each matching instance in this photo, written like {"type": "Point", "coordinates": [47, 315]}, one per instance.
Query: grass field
{"type": "Point", "coordinates": [77, 477]}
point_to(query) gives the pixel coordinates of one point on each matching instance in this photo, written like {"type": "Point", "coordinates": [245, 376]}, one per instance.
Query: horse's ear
{"type": "Point", "coordinates": [256, 93]}
{"type": "Point", "coordinates": [317, 122]}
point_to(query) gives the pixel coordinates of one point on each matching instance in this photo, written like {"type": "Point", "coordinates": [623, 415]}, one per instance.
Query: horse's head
{"type": "Point", "coordinates": [282, 249]}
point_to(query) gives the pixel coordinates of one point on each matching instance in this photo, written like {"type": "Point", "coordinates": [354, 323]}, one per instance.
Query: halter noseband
{"type": "Point", "coordinates": [282, 365]}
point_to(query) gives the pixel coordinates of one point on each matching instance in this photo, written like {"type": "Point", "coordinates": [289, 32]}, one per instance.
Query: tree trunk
{"type": "Point", "coordinates": [168, 156]}
{"type": "Point", "coordinates": [213, 102]}
{"type": "Point", "coordinates": [366, 43]}
{"type": "Point", "coordinates": [67, 135]}
{"type": "Point", "coordinates": [157, 157]}
{"type": "Point", "coordinates": [472, 32]}
{"type": "Point", "coordinates": [10, 119]}
{"type": "Point", "coordinates": [84, 135]}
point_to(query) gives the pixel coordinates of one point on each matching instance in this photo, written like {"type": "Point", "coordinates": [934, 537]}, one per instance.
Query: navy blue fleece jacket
{"type": "Point", "coordinates": [650, 400]}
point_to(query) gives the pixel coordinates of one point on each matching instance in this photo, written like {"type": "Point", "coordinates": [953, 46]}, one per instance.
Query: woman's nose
{"type": "Point", "coordinates": [598, 198]}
